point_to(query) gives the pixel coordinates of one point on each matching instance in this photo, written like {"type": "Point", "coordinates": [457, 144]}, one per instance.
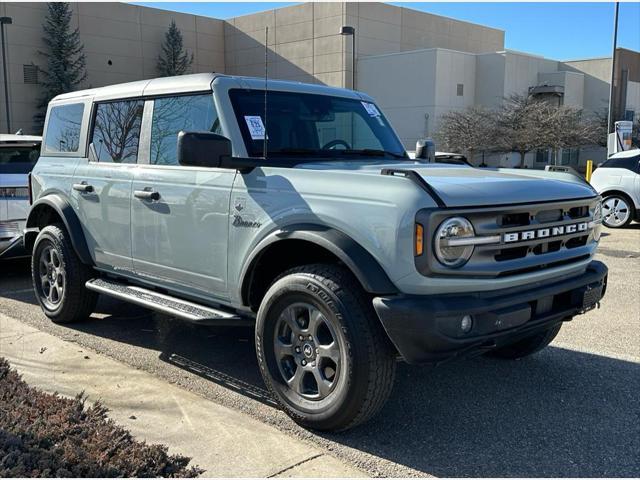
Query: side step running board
{"type": "Point", "coordinates": [166, 304]}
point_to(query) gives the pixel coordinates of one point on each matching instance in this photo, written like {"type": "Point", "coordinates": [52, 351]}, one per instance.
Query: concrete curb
{"type": "Point", "coordinates": [222, 441]}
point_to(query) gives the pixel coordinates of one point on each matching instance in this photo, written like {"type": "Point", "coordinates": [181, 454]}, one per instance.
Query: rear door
{"type": "Point", "coordinates": [179, 214]}
{"type": "Point", "coordinates": [102, 185]}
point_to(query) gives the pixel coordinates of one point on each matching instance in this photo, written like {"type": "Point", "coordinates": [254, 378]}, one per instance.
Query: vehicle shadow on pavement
{"type": "Point", "coordinates": [559, 413]}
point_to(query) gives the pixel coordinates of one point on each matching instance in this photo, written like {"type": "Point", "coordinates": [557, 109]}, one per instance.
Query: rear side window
{"type": "Point", "coordinates": [116, 131]}
{"type": "Point", "coordinates": [195, 113]}
{"type": "Point", "coordinates": [18, 158]}
{"type": "Point", "coordinates": [63, 129]}
{"type": "Point", "coordinates": [629, 163]}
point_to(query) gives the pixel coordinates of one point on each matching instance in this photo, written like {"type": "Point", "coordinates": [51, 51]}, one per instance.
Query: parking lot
{"type": "Point", "coordinates": [572, 410]}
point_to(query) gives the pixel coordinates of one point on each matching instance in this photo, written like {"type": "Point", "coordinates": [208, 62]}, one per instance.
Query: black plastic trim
{"type": "Point", "coordinates": [417, 325]}
{"type": "Point", "coordinates": [363, 265]}
{"type": "Point", "coordinates": [418, 180]}
{"type": "Point", "coordinates": [69, 218]}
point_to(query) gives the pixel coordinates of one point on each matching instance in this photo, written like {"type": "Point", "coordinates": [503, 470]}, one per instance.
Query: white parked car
{"type": "Point", "coordinates": [18, 155]}
{"type": "Point", "coordinates": [618, 181]}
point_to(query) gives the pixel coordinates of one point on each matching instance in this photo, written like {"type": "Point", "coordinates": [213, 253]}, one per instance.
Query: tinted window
{"type": "Point", "coordinates": [171, 115]}
{"type": "Point", "coordinates": [116, 131]}
{"type": "Point", "coordinates": [18, 159]}
{"type": "Point", "coordinates": [63, 129]}
{"type": "Point", "coordinates": [629, 163]}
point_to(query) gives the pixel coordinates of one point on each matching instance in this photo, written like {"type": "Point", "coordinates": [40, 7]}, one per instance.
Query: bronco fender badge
{"type": "Point", "coordinates": [238, 221]}
{"type": "Point", "coordinates": [556, 231]}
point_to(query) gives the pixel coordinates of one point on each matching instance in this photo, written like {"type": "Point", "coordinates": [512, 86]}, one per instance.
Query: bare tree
{"type": "Point", "coordinates": [524, 124]}
{"type": "Point", "coordinates": [571, 129]}
{"type": "Point", "coordinates": [468, 131]}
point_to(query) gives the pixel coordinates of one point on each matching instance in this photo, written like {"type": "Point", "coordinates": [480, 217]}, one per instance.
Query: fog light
{"type": "Point", "coordinates": [466, 323]}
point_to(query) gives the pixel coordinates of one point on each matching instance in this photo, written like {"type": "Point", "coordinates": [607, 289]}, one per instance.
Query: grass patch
{"type": "Point", "coordinates": [44, 435]}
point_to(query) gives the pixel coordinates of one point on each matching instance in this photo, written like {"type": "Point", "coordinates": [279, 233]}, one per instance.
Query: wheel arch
{"type": "Point", "coordinates": [618, 191]}
{"type": "Point", "coordinates": [304, 244]}
{"type": "Point", "coordinates": [55, 209]}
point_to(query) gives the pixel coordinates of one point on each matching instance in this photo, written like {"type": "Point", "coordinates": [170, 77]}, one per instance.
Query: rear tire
{"type": "Point", "coordinates": [527, 346]}
{"type": "Point", "coordinates": [59, 277]}
{"type": "Point", "coordinates": [617, 210]}
{"type": "Point", "coordinates": [322, 351]}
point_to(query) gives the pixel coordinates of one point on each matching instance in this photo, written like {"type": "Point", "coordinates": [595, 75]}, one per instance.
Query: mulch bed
{"type": "Point", "coordinates": [43, 435]}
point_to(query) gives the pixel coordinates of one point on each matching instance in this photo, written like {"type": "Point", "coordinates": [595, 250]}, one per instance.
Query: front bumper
{"type": "Point", "coordinates": [427, 329]}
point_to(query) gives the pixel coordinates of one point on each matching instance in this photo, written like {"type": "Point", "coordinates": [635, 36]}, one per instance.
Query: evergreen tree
{"type": "Point", "coordinates": [173, 60]}
{"type": "Point", "coordinates": [66, 62]}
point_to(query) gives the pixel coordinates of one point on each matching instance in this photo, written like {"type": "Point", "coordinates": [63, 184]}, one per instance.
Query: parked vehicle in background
{"type": "Point", "coordinates": [618, 181]}
{"type": "Point", "coordinates": [18, 155]}
{"type": "Point", "coordinates": [310, 220]}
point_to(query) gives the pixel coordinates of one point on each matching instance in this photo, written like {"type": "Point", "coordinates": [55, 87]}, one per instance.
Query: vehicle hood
{"type": "Point", "coordinates": [464, 186]}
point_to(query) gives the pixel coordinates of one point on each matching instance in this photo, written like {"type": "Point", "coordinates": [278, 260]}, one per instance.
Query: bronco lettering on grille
{"type": "Point", "coordinates": [525, 235]}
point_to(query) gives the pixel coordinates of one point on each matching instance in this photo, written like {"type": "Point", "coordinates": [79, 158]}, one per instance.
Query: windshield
{"type": "Point", "coordinates": [18, 159]}
{"type": "Point", "coordinates": [309, 125]}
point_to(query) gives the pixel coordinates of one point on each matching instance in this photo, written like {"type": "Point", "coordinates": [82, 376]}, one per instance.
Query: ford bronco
{"type": "Point", "coordinates": [295, 207]}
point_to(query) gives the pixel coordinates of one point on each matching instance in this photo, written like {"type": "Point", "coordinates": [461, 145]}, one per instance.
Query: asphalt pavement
{"type": "Point", "coordinates": [571, 410]}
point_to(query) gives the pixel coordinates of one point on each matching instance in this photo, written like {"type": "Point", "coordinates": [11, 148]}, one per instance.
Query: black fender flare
{"type": "Point", "coordinates": [362, 264]}
{"type": "Point", "coordinates": [69, 218]}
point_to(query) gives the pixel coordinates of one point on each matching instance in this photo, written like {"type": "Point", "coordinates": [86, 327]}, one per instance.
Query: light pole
{"type": "Point", "coordinates": [349, 30]}
{"type": "Point", "coordinates": [5, 21]}
{"type": "Point", "coordinates": [613, 70]}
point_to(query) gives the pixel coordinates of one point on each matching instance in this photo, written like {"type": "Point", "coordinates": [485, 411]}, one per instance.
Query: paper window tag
{"type": "Point", "coordinates": [371, 109]}
{"type": "Point", "coordinates": [255, 125]}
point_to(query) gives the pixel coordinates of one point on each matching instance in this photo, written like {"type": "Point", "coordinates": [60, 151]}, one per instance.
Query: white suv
{"type": "Point", "coordinates": [618, 181]}
{"type": "Point", "coordinates": [18, 155]}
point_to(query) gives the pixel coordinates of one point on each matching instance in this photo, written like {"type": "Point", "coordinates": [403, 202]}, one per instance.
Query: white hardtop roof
{"type": "Point", "coordinates": [627, 153]}
{"type": "Point", "coordinates": [14, 138]}
{"type": "Point", "coordinates": [200, 82]}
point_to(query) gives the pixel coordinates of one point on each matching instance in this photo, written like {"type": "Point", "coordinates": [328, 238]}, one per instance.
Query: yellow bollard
{"type": "Point", "coordinates": [589, 170]}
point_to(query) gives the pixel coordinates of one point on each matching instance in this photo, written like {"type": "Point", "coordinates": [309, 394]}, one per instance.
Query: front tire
{"type": "Point", "coordinates": [59, 277]}
{"type": "Point", "coordinates": [322, 352]}
{"type": "Point", "coordinates": [617, 211]}
{"type": "Point", "coordinates": [527, 346]}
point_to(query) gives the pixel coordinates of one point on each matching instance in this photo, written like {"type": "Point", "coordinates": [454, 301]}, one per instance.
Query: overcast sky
{"type": "Point", "coordinates": [560, 31]}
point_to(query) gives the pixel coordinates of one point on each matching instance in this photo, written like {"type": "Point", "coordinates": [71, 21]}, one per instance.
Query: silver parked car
{"type": "Point", "coordinates": [18, 155]}
{"type": "Point", "coordinates": [618, 181]}
{"type": "Point", "coordinates": [303, 215]}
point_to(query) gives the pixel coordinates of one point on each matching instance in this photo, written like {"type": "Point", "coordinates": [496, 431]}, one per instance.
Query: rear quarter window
{"type": "Point", "coordinates": [628, 163]}
{"type": "Point", "coordinates": [63, 128]}
{"type": "Point", "coordinates": [18, 158]}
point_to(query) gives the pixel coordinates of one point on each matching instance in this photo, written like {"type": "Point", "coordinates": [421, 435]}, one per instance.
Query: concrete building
{"type": "Point", "coordinates": [416, 64]}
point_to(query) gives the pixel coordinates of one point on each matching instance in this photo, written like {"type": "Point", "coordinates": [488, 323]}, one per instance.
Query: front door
{"type": "Point", "coordinates": [102, 184]}
{"type": "Point", "coordinates": [179, 214]}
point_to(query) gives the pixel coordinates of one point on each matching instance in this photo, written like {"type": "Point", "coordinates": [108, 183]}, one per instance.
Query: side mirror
{"type": "Point", "coordinates": [426, 150]}
{"type": "Point", "coordinates": [202, 149]}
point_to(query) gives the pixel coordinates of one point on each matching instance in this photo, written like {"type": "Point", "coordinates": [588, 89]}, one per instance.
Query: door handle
{"type": "Point", "coordinates": [146, 194]}
{"type": "Point", "coordinates": [83, 187]}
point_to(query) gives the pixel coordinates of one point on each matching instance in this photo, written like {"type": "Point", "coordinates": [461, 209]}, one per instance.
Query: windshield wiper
{"type": "Point", "coordinates": [372, 152]}
{"type": "Point", "coordinates": [297, 151]}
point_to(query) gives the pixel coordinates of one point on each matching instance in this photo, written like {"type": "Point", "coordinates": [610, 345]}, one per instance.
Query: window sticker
{"type": "Point", "coordinates": [371, 109]}
{"type": "Point", "coordinates": [255, 125]}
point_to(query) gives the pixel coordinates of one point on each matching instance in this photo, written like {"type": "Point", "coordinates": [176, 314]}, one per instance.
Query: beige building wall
{"type": "Point", "coordinates": [305, 45]}
{"type": "Point", "coordinates": [121, 44]}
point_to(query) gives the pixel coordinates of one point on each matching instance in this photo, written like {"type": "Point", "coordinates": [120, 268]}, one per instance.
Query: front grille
{"type": "Point", "coordinates": [14, 192]}
{"type": "Point", "coordinates": [532, 237]}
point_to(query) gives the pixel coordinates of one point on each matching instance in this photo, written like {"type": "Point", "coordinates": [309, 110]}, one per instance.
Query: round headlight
{"type": "Point", "coordinates": [447, 251]}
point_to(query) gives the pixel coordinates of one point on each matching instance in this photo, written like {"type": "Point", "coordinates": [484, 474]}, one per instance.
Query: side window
{"type": "Point", "coordinates": [629, 163]}
{"type": "Point", "coordinates": [173, 114]}
{"type": "Point", "coordinates": [116, 131]}
{"type": "Point", "coordinates": [63, 129]}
